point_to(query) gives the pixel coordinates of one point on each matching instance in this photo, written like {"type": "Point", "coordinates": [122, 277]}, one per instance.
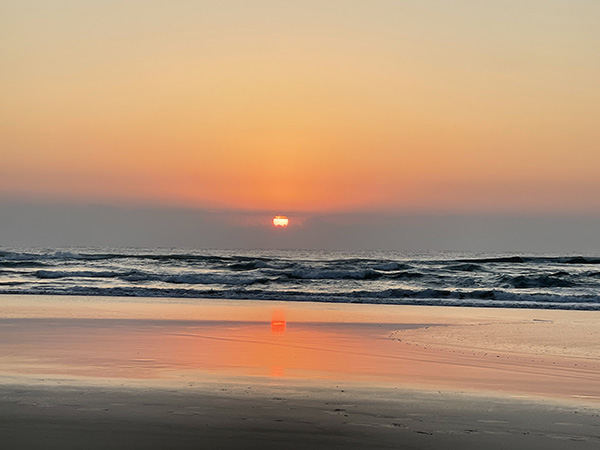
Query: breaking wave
{"type": "Point", "coordinates": [450, 279]}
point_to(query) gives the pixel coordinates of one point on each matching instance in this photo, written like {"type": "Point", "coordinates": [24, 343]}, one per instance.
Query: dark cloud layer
{"type": "Point", "coordinates": [29, 225]}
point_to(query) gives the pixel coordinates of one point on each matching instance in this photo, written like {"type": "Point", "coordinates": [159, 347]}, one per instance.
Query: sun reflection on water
{"type": "Point", "coordinates": [278, 322]}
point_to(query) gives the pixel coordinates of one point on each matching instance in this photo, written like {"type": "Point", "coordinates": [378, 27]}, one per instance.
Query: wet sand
{"type": "Point", "coordinates": [94, 372]}
{"type": "Point", "coordinates": [257, 416]}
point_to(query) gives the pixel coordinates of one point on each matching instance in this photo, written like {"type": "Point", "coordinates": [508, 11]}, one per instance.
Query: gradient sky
{"type": "Point", "coordinates": [303, 107]}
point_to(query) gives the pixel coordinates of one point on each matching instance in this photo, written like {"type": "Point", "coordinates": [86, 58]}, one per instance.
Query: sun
{"type": "Point", "coordinates": [280, 221]}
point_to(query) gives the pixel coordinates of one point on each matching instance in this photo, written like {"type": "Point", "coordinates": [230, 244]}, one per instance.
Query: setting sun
{"type": "Point", "coordinates": [280, 221]}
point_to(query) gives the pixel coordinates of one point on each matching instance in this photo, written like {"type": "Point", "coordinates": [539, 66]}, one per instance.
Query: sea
{"type": "Point", "coordinates": [552, 281]}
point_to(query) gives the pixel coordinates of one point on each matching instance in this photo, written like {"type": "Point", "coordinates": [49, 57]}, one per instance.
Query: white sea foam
{"type": "Point", "coordinates": [552, 281]}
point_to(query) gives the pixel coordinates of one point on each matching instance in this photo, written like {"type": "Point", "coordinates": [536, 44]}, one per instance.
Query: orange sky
{"type": "Point", "coordinates": [303, 106]}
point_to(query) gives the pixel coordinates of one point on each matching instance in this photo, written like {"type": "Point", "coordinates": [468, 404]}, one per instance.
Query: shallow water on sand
{"type": "Point", "coordinates": [134, 340]}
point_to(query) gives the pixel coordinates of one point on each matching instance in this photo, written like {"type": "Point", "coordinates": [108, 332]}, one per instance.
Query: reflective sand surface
{"type": "Point", "coordinates": [139, 373]}
{"type": "Point", "coordinates": [130, 340]}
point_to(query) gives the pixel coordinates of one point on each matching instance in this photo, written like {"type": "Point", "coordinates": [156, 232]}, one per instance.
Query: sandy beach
{"type": "Point", "coordinates": [300, 225]}
{"type": "Point", "coordinates": [85, 372]}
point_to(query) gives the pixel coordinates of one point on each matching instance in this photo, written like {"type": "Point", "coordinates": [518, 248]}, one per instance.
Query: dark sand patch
{"type": "Point", "coordinates": [75, 417]}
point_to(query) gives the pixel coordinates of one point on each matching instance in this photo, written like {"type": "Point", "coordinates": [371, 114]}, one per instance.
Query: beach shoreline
{"type": "Point", "coordinates": [301, 375]}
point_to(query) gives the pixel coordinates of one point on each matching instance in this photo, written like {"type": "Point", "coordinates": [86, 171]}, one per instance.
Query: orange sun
{"type": "Point", "coordinates": [280, 221]}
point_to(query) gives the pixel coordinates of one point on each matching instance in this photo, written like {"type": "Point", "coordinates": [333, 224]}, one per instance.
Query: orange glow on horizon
{"type": "Point", "coordinates": [310, 110]}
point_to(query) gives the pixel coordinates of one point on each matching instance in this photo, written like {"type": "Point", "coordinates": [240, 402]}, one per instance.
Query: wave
{"type": "Point", "coordinates": [539, 281]}
{"type": "Point", "coordinates": [505, 259]}
{"type": "Point", "coordinates": [466, 267]}
{"type": "Point", "coordinates": [195, 278]}
{"type": "Point", "coordinates": [261, 272]}
{"type": "Point", "coordinates": [56, 274]}
{"type": "Point", "coordinates": [139, 276]}
{"type": "Point", "coordinates": [582, 260]}
{"type": "Point", "coordinates": [324, 274]}
{"type": "Point", "coordinates": [444, 278]}
{"type": "Point", "coordinates": [251, 265]}
{"type": "Point", "coordinates": [534, 259]}
{"type": "Point", "coordinates": [241, 262]}
{"type": "Point", "coordinates": [405, 275]}
{"type": "Point", "coordinates": [478, 298]}
{"type": "Point", "coordinates": [24, 264]}
{"type": "Point", "coordinates": [66, 256]}
{"type": "Point", "coordinates": [211, 278]}
{"type": "Point", "coordinates": [390, 266]}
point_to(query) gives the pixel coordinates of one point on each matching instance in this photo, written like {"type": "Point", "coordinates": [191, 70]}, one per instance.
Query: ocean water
{"type": "Point", "coordinates": [441, 278]}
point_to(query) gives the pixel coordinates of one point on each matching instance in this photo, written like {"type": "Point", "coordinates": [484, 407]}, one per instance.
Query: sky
{"type": "Point", "coordinates": [361, 115]}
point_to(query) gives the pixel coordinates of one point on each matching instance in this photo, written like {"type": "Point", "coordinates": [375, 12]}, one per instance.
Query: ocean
{"type": "Point", "coordinates": [382, 277]}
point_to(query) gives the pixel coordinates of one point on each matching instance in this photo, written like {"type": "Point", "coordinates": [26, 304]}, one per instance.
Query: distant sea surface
{"type": "Point", "coordinates": [443, 279]}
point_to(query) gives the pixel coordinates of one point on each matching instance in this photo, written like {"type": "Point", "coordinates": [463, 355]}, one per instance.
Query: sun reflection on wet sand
{"type": "Point", "coordinates": [278, 325]}
{"type": "Point", "coordinates": [259, 340]}
{"type": "Point", "coordinates": [278, 322]}
{"type": "Point", "coordinates": [146, 349]}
